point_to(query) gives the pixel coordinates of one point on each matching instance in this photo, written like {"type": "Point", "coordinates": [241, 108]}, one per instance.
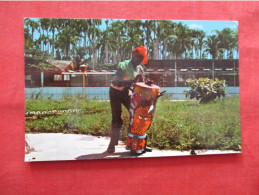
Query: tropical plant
{"type": "Point", "coordinates": [227, 42]}
{"type": "Point", "coordinates": [205, 89]}
{"type": "Point", "coordinates": [183, 40]}
{"type": "Point", "coordinates": [213, 46]}
{"type": "Point", "coordinates": [164, 39]}
{"type": "Point", "coordinates": [197, 42]}
{"type": "Point", "coordinates": [67, 37]}
{"type": "Point", "coordinates": [33, 25]}
{"type": "Point", "coordinates": [93, 34]}
{"type": "Point", "coordinates": [53, 26]}
{"type": "Point", "coordinates": [107, 45]}
{"type": "Point", "coordinates": [201, 41]}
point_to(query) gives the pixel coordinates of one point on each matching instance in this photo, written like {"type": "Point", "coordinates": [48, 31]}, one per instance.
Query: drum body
{"type": "Point", "coordinates": [142, 108]}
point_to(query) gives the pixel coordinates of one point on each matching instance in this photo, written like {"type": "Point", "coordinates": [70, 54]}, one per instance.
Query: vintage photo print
{"type": "Point", "coordinates": [117, 88]}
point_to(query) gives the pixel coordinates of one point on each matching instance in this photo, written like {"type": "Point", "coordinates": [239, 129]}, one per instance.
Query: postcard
{"type": "Point", "coordinates": [116, 88]}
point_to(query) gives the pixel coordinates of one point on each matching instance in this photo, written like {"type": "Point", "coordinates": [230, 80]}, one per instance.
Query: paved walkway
{"type": "Point", "coordinates": [58, 146]}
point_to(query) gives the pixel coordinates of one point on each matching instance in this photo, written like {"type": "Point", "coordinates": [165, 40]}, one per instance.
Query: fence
{"type": "Point", "coordinates": [165, 73]}
{"type": "Point", "coordinates": [102, 93]}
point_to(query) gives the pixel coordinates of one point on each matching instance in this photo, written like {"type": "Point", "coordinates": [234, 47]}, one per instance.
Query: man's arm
{"type": "Point", "coordinates": [118, 79]}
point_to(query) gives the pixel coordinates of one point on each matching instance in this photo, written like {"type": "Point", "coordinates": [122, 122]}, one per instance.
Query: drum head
{"type": "Point", "coordinates": [147, 90]}
{"type": "Point", "coordinates": [142, 84]}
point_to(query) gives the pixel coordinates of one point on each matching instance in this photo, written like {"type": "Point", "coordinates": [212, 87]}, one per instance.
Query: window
{"type": "Point", "coordinates": [57, 77]}
{"type": "Point", "coordinates": [28, 77]}
{"type": "Point", "coordinates": [66, 77]}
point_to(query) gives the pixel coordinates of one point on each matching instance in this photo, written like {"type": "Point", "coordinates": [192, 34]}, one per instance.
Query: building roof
{"type": "Point", "coordinates": [38, 65]}
{"type": "Point", "coordinates": [59, 64]}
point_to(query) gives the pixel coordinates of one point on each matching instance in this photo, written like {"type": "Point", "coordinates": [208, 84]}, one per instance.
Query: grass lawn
{"type": "Point", "coordinates": [176, 125]}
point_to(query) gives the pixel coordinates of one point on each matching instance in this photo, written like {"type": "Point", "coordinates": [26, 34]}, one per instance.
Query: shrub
{"type": "Point", "coordinates": [205, 89]}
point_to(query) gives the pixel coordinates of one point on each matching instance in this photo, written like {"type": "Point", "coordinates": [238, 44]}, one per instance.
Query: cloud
{"type": "Point", "coordinates": [233, 26]}
{"type": "Point", "coordinates": [196, 26]}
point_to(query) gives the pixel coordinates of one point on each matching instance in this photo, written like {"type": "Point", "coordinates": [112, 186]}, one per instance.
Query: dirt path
{"type": "Point", "coordinates": [58, 146]}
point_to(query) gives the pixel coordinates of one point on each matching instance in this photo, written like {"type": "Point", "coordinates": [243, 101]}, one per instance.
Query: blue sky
{"type": "Point", "coordinates": [206, 25]}
{"type": "Point", "coordinates": [209, 26]}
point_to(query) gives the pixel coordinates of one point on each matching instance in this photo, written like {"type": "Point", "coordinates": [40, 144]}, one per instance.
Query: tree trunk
{"type": "Point", "coordinates": [94, 49]}
{"type": "Point", "coordinates": [53, 43]}
{"type": "Point", "coordinates": [47, 41]}
{"type": "Point", "coordinates": [85, 40]}
{"type": "Point", "coordinates": [98, 56]}
{"type": "Point", "coordinates": [156, 49]}
{"type": "Point", "coordinates": [114, 58]}
{"type": "Point", "coordinates": [165, 52]}
{"type": "Point", "coordinates": [67, 47]}
{"type": "Point", "coordinates": [69, 50]}
{"type": "Point", "coordinates": [201, 53]}
{"type": "Point", "coordinates": [90, 54]}
{"type": "Point", "coordinates": [32, 32]}
{"type": "Point", "coordinates": [106, 54]}
{"type": "Point", "coordinates": [40, 41]}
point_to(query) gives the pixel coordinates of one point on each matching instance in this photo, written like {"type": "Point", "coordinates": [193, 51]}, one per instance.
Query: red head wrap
{"type": "Point", "coordinates": [141, 51]}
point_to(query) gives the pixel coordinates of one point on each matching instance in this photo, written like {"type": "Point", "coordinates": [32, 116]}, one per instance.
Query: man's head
{"type": "Point", "coordinates": [139, 55]}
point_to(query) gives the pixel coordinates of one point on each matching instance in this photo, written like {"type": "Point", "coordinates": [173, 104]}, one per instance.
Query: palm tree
{"type": "Point", "coordinates": [135, 34]}
{"type": "Point", "coordinates": [148, 27]}
{"type": "Point", "coordinates": [118, 32]}
{"type": "Point", "coordinates": [197, 42]}
{"type": "Point", "coordinates": [166, 36]}
{"type": "Point", "coordinates": [225, 38]}
{"type": "Point", "coordinates": [105, 37]}
{"type": "Point", "coordinates": [156, 40]}
{"type": "Point", "coordinates": [45, 40]}
{"type": "Point", "coordinates": [212, 45]}
{"type": "Point", "coordinates": [27, 41]}
{"type": "Point", "coordinates": [234, 44]}
{"type": "Point", "coordinates": [169, 42]}
{"type": "Point", "coordinates": [183, 42]}
{"type": "Point", "coordinates": [200, 37]}
{"type": "Point", "coordinates": [107, 44]}
{"type": "Point", "coordinates": [53, 23]}
{"type": "Point", "coordinates": [84, 27]}
{"type": "Point", "coordinates": [45, 27]}
{"type": "Point", "coordinates": [33, 25]}
{"type": "Point", "coordinates": [93, 34]}
{"type": "Point", "coordinates": [65, 38]}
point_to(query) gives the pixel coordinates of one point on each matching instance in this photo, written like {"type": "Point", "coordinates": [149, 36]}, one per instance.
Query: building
{"type": "Point", "coordinates": [165, 73]}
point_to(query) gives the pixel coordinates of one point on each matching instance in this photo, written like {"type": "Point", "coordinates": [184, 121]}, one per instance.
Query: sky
{"type": "Point", "coordinates": [209, 26]}
{"type": "Point", "coordinates": [206, 25]}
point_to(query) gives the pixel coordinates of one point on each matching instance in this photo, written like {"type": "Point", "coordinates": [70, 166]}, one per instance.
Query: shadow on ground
{"type": "Point", "coordinates": [106, 155]}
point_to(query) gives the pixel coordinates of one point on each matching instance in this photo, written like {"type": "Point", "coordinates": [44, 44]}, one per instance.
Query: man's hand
{"type": "Point", "coordinates": [138, 77]}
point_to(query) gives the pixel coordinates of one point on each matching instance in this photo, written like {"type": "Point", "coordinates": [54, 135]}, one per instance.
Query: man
{"type": "Point", "coordinates": [119, 90]}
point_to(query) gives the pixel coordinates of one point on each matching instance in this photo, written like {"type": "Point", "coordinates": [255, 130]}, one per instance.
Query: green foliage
{"type": "Point", "coordinates": [189, 125]}
{"type": "Point", "coordinates": [205, 89]}
{"type": "Point", "coordinates": [94, 117]}
{"type": "Point", "coordinates": [38, 62]}
{"type": "Point", "coordinates": [115, 41]}
{"type": "Point", "coordinates": [176, 125]}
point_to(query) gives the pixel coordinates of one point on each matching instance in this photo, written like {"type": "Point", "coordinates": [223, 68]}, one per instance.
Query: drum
{"type": "Point", "coordinates": [142, 108]}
